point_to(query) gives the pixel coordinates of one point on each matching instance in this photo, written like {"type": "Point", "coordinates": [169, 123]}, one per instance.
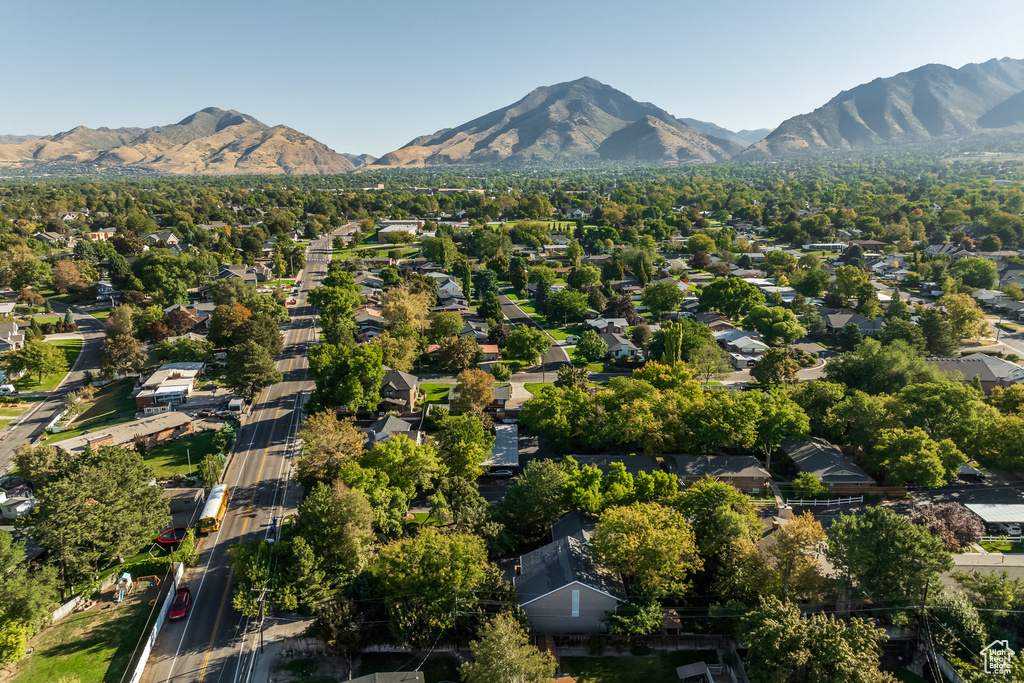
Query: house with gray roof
{"type": "Point", "coordinates": [992, 371]}
{"type": "Point", "coordinates": [399, 389]}
{"type": "Point", "coordinates": [562, 589]}
{"type": "Point", "coordinates": [868, 327]}
{"type": "Point", "coordinates": [744, 472]}
{"type": "Point", "coordinates": [826, 461]}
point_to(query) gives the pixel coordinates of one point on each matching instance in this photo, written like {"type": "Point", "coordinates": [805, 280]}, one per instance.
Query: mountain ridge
{"type": "Point", "coordinates": [931, 102]}
{"type": "Point", "coordinates": [578, 122]}
{"type": "Point", "coordinates": [211, 141]}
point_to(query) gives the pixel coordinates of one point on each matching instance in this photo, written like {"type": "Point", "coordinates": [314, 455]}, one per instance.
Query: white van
{"type": "Point", "coordinates": [7, 390]}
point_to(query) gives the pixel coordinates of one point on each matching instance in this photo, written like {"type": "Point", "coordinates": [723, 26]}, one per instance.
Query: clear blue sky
{"type": "Point", "coordinates": [369, 76]}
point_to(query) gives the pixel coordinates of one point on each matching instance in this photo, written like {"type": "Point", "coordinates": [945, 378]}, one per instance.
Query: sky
{"type": "Point", "coordinates": [368, 77]}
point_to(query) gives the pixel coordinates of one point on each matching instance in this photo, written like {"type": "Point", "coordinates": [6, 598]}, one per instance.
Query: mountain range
{"type": "Point", "coordinates": [933, 102]}
{"type": "Point", "coordinates": [577, 124]}
{"type": "Point", "coordinates": [209, 142]}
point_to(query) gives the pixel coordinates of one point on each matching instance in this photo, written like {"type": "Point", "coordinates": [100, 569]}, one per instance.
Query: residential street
{"type": "Point", "coordinates": [215, 642]}
{"type": "Point", "coordinates": [30, 425]}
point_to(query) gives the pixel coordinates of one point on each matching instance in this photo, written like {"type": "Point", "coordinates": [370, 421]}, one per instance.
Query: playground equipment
{"type": "Point", "coordinates": [150, 581]}
{"type": "Point", "coordinates": [125, 586]}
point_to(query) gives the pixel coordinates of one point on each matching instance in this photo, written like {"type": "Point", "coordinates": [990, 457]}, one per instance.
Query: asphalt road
{"type": "Point", "coordinates": [31, 424]}
{"type": "Point", "coordinates": [215, 642]}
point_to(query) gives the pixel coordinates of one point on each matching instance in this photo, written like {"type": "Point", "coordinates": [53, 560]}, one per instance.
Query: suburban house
{"type": "Point", "coordinates": [744, 472]}
{"type": "Point", "coordinates": [562, 590]}
{"type": "Point", "coordinates": [55, 239]}
{"type": "Point", "coordinates": [992, 371]}
{"type": "Point", "coordinates": [16, 501]}
{"type": "Point", "coordinates": [105, 291]}
{"type": "Point", "coordinates": [954, 251]}
{"type": "Point", "coordinates": [826, 461]}
{"type": "Point", "coordinates": [399, 390]}
{"type": "Point", "coordinates": [478, 331]}
{"type": "Point", "coordinates": [502, 395]}
{"type": "Point", "coordinates": [161, 236]}
{"type": "Point", "coordinates": [869, 327]}
{"type": "Point", "coordinates": [389, 426]}
{"type": "Point", "coordinates": [11, 339]}
{"type": "Point", "coordinates": [230, 270]}
{"type": "Point", "coordinates": [607, 325]}
{"type": "Point", "coordinates": [99, 235]}
{"type": "Point", "coordinates": [171, 385]}
{"type": "Point", "coordinates": [155, 429]}
{"type": "Point", "coordinates": [490, 351]}
{"type": "Point", "coordinates": [575, 523]}
{"type": "Point", "coordinates": [619, 346]}
{"type": "Point", "coordinates": [200, 311]}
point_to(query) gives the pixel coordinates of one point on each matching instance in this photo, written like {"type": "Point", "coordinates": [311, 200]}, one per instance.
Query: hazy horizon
{"type": "Point", "coordinates": [367, 79]}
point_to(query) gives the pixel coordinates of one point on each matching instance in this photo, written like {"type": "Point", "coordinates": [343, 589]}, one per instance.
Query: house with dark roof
{"type": "Point", "coordinates": [575, 523]}
{"type": "Point", "coordinates": [992, 371]}
{"type": "Point", "coordinates": [826, 461]}
{"type": "Point", "coordinates": [619, 346]}
{"type": "Point", "coordinates": [399, 390]}
{"type": "Point", "coordinates": [868, 327]}
{"type": "Point", "coordinates": [563, 590]}
{"type": "Point", "coordinates": [389, 426]}
{"type": "Point", "coordinates": [744, 472]}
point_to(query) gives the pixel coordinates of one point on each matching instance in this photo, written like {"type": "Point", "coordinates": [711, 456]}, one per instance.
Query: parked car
{"type": "Point", "coordinates": [182, 601]}
{"type": "Point", "coordinates": [500, 474]}
{"type": "Point", "coordinates": [7, 390]}
{"type": "Point", "coordinates": [1010, 529]}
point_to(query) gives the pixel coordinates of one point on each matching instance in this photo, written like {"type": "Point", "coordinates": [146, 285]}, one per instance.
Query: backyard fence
{"type": "Point", "coordinates": [800, 502]}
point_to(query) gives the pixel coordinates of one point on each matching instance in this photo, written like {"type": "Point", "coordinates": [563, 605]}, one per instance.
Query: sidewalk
{"type": "Point", "coordinates": [273, 645]}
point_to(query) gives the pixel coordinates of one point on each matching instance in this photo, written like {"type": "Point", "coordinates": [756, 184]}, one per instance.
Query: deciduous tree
{"type": "Point", "coordinates": [503, 654]}
{"type": "Point", "coordinates": [250, 369]}
{"type": "Point", "coordinates": [327, 444]}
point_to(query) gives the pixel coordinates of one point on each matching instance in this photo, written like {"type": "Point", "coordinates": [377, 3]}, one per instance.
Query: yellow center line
{"type": "Point", "coordinates": [231, 572]}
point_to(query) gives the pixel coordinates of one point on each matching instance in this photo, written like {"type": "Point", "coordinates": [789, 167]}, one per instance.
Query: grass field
{"type": "Point", "coordinates": [657, 668]}
{"type": "Point", "coordinates": [435, 669]}
{"type": "Point", "coordinates": [100, 314]}
{"type": "Point", "coordinates": [171, 458]}
{"type": "Point", "coordinates": [112, 404]}
{"type": "Point", "coordinates": [1004, 547]}
{"type": "Point", "coordinates": [436, 393]}
{"type": "Point", "coordinates": [13, 411]}
{"type": "Point", "coordinates": [111, 400]}
{"type": "Point", "coordinates": [94, 646]}
{"type": "Point", "coordinates": [535, 387]}
{"type": "Point", "coordinates": [47, 318]}
{"type": "Point", "coordinates": [71, 349]}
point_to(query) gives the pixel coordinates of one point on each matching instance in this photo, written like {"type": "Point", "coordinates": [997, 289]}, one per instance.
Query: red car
{"type": "Point", "coordinates": [180, 605]}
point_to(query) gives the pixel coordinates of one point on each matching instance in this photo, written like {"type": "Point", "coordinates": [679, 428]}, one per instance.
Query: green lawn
{"type": "Point", "coordinates": [1005, 547]}
{"type": "Point", "coordinates": [113, 399]}
{"type": "Point", "coordinates": [47, 318]}
{"type": "Point", "coordinates": [172, 457]}
{"type": "Point", "coordinates": [284, 282]}
{"type": "Point", "coordinates": [100, 314]}
{"type": "Point", "coordinates": [92, 647]}
{"type": "Point", "coordinates": [436, 669]}
{"type": "Point", "coordinates": [13, 412]}
{"type": "Point", "coordinates": [113, 404]}
{"type": "Point", "coordinates": [659, 667]}
{"type": "Point", "coordinates": [71, 349]}
{"type": "Point", "coordinates": [436, 393]}
{"type": "Point", "coordinates": [535, 387]}
{"type": "Point", "coordinates": [527, 308]}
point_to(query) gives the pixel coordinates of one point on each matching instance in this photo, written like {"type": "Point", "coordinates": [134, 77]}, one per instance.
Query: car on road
{"type": "Point", "coordinates": [500, 474]}
{"type": "Point", "coordinates": [7, 390]}
{"type": "Point", "coordinates": [181, 603]}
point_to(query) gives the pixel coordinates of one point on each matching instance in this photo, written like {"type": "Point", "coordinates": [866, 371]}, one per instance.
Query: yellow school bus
{"type": "Point", "coordinates": [213, 511]}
